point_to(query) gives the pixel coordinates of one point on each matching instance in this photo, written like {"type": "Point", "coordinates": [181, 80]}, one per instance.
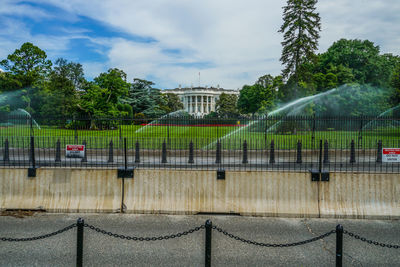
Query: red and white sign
{"type": "Point", "coordinates": [75, 151]}
{"type": "Point", "coordinates": [391, 154]}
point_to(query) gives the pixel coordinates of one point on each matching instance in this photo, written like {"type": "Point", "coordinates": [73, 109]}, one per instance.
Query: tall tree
{"type": "Point", "coordinates": [254, 98]}
{"type": "Point", "coordinates": [300, 28]}
{"type": "Point", "coordinates": [226, 105]}
{"type": "Point", "coordinates": [28, 64]}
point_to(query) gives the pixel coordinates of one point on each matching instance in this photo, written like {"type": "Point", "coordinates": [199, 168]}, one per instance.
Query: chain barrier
{"type": "Point", "coordinates": [371, 242]}
{"type": "Point", "coordinates": [154, 238]}
{"type": "Point", "coordinates": [271, 244]}
{"type": "Point", "coordinates": [39, 237]}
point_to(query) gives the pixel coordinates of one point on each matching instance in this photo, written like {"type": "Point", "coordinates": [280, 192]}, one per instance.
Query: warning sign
{"type": "Point", "coordinates": [75, 151]}
{"type": "Point", "coordinates": [391, 154]}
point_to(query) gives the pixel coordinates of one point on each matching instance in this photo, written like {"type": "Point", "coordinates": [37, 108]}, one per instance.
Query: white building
{"type": "Point", "coordinates": [200, 101]}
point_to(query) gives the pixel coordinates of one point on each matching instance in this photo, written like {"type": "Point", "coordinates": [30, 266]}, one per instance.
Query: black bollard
{"type": "Point", "coordinates": [137, 152]}
{"type": "Point", "coordinates": [79, 242]}
{"type": "Point", "coordinates": [326, 151]}
{"type": "Point", "coordinates": [191, 153]}
{"type": "Point", "coordinates": [84, 159]}
{"type": "Point", "coordinates": [272, 152]}
{"type": "Point", "coordinates": [32, 152]}
{"type": "Point", "coordinates": [352, 152]}
{"type": "Point", "coordinates": [245, 159]}
{"type": "Point", "coordinates": [339, 245]}
{"type": "Point", "coordinates": [379, 152]}
{"type": "Point", "coordinates": [218, 153]}
{"type": "Point", "coordinates": [164, 153]}
{"type": "Point", "coordinates": [6, 151]}
{"type": "Point", "coordinates": [58, 151]}
{"type": "Point", "coordinates": [208, 243]}
{"type": "Point", "coordinates": [299, 158]}
{"type": "Point", "coordinates": [110, 152]}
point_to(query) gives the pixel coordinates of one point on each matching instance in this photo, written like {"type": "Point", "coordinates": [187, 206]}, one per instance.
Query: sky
{"type": "Point", "coordinates": [230, 43]}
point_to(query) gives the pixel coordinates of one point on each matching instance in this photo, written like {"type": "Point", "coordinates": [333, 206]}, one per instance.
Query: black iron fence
{"type": "Point", "coordinates": [208, 227]}
{"type": "Point", "coordinates": [259, 143]}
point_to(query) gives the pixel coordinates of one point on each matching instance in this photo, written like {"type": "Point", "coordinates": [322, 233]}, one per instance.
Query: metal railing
{"type": "Point", "coordinates": [257, 143]}
{"type": "Point", "coordinates": [208, 227]}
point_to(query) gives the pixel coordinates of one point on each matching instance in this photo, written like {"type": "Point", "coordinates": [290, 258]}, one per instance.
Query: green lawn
{"type": "Point", "coordinates": [178, 137]}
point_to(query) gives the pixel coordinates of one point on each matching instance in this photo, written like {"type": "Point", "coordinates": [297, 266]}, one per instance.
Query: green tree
{"type": "Point", "coordinates": [300, 28]}
{"type": "Point", "coordinates": [171, 103]}
{"type": "Point", "coordinates": [226, 105]}
{"type": "Point", "coordinates": [254, 98]}
{"type": "Point", "coordinates": [114, 81]}
{"type": "Point", "coordinates": [28, 64]}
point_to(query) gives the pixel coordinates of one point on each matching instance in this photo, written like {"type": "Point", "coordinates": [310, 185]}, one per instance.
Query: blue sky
{"type": "Point", "coordinates": [231, 43]}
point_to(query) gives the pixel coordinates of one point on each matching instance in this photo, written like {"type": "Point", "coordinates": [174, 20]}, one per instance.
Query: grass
{"type": "Point", "coordinates": [178, 137]}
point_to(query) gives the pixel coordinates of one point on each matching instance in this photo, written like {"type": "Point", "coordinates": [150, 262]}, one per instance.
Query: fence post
{"type": "Point", "coordinates": [6, 151]}
{"type": "Point", "coordinates": [33, 151]}
{"type": "Point", "coordinates": [320, 157]}
{"type": "Point", "coordinates": [245, 160]}
{"type": "Point", "coordinates": [299, 159]}
{"type": "Point", "coordinates": [272, 152]}
{"type": "Point", "coordinates": [79, 242]}
{"type": "Point", "coordinates": [125, 155]}
{"type": "Point", "coordinates": [352, 152]}
{"type": "Point", "coordinates": [191, 152]}
{"type": "Point", "coordinates": [218, 152]}
{"type": "Point", "coordinates": [111, 152]}
{"type": "Point", "coordinates": [164, 153]}
{"type": "Point", "coordinates": [326, 151]}
{"type": "Point", "coordinates": [208, 243]}
{"type": "Point", "coordinates": [84, 159]}
{"type": "Point", "coordinates": [379, 152]}
{"type": "Point", "coordinates": [137, 152]}
{"type": "Point", "coordinates": [339, 245]}
{"type": "Point", "coordinates": [58, 151]}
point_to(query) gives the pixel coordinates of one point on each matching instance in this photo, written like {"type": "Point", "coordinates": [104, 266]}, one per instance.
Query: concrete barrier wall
{"type": "Point", "coordinates": [348, 195]}
{"type": "Point", "coordinates": [249, 193]}
{"type": "Point", "coordinates": [361, 195]}
{"type": "Point", "coordinates": [61, 190]}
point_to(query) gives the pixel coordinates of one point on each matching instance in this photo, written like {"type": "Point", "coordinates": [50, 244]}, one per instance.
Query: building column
{"type": "Point", "coordinates": [195, 104]}
{"type": "Point", "coordinates": [202, 105]}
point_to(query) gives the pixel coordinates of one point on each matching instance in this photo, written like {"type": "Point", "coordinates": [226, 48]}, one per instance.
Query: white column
{"type": "Point", "coordinates": [195, 104]}
{"type": "Point", "coordinates": [202, 105]}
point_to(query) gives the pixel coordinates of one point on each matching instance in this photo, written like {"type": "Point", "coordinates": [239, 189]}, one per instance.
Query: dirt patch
{"type": "Point", "coordinates": [18, 213]}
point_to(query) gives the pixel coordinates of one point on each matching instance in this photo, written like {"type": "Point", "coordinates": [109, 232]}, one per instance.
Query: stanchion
{"type": "Point", "coordinates": [137, 152]}
{"type": "Point", "coordinates": [218, 152]}
{"type": "Point", "coordinates": [79, 242]}
{"type": "Point", "coordinates": [299, 157]}
{"type": "Point", "coordinates": [272, 152]}
{"type": "Point", "coordinates": [245, 158]}
{"type": "Point", "coordinates": [111, 152]}
{"type": "Point", "coordinates": [208, 243]}
{"type": "Point", "coordinates": [339, 245]}
{"type": "Point", "coordinates": [58, 151]}
{"type": "Point", "coordinates": [191, 153]}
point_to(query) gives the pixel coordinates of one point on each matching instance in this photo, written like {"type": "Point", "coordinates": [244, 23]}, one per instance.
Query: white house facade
{"type": "Point", "coordinates": [200, 101]}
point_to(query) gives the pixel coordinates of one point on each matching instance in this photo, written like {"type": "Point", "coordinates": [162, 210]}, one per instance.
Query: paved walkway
{"type": "Point", "coordinates": [102, 250]}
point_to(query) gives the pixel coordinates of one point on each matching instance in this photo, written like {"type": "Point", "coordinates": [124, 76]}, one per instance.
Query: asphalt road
{"type": "Point", "coordinates": [103, 250]}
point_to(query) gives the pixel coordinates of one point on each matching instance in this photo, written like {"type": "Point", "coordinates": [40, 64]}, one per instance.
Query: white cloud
{"type": "Point", "coordinates": [236, 40]}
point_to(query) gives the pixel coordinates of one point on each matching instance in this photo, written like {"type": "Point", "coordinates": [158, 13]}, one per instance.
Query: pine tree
{"type": "Point", "coordinates": [301, 26]}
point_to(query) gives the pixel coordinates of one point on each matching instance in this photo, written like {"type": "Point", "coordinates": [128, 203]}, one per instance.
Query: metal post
{"type": "Point", "coordinates": [339, 245]}
{"type": "Point", "coordinates": [191, 153]}
{"type": "Point", "coordinates": [272, 152]}
{"type": "Point", "coordinates": [164, 153]}
{"type": "Point", "coordinates": [352, 152]}
{"type": "Point", "coordinates": [58, 151]}
{"type": "Point", "coordinates": [79, 243]}
{"type": "Point", "coordinates": [208, 243]}
{"type": "Point", "coordinates": [137, 152]}
{"type": "Point", "coordinates": [6, 151]}
{"type": "Point", "coordinates": [320, 156]}
{"type": "Point", "coordinates": [33, 151]}
{"type": "Point", "coordinates": [218, 152]}
{"type": "Point", "coordinates": [84, 159]}
{"type": "Point", "coordinates": [111, 152]}
{"type": "Point", "coordinates": [245, 160]}
{"type": "Point", "coordinates": [379, 152]}
{"type": "Point", "coordinates": [299, 158]}
{"type": "Point", "coordinates": [326, 151]}
{"type": "Point", "coordinates": [125, 155]}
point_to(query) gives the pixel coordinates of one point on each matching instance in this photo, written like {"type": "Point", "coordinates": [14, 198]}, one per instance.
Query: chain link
{"type": "Point", "coordinates": [135, 238]}
{"type": "Point", "coordinates": [272, 245]}
{"type": "Point", "coordinates": [371, 242]}
{"type": "Point", "coordinates": [38, 237]}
